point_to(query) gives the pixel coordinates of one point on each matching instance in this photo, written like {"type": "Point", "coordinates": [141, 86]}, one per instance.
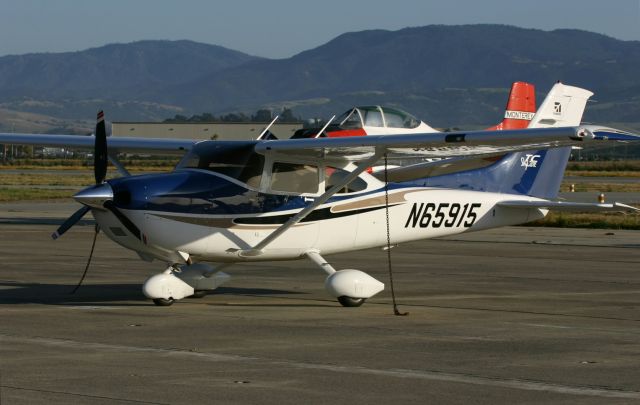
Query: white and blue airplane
{"type": "Point", "coordinates": [248, 201]}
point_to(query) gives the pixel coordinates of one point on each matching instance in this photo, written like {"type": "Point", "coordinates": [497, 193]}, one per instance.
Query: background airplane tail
{"type": "Point", "coordinates": [520, 109]}
{"type": "Point", "coordinates": [535, 173]}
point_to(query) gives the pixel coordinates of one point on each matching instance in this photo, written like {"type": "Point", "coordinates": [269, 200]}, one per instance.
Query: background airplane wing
{"type": "Point", "coordinates": [115, 144]}
{"type": "Point", "coordinates": [445, 145]}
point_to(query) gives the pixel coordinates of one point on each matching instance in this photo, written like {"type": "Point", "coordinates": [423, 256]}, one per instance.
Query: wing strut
{"type": "Point", "coordinates": [362, 166]}
{"type": "Point", "coordinates": [325, 127]}
{"type": "Point", "coordinates": [121, 169]}
{"type": "Point", "coordinates": [264, 131]}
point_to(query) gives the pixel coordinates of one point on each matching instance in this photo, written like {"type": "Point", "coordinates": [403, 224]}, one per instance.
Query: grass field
{"type": "Point", "coordinates": [26, 194]}
{"type": "Point", "coordinates": [601, 187]}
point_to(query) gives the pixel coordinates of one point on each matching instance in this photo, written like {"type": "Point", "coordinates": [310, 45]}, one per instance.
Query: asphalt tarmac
{"type": "Point", "coordinates": [514, 315]}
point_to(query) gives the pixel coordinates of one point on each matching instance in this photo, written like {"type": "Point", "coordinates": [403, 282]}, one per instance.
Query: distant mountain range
{"type": "Point", "coordinates": [446, 75]}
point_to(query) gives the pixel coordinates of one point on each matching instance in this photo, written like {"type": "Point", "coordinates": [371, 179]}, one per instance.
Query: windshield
{"type": "Point", "coordinates": [376, 116]}
{"type": "Point", "coordinates": [236, 161]}
{"type": "Point", "coordinates": [350, 119]}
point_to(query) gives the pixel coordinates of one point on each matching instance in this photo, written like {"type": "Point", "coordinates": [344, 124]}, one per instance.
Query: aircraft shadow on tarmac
{"type": "Point", "coordinates": [92, 294]}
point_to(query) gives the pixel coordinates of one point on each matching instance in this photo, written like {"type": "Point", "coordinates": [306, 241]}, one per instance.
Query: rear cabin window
{"type": "Point", "coordinates": [294, 178]}
{"type": "Point", "coordinates": [372, 117]}
{"type": "Point", "coordinates": [399, 119]}
{"type": "Point", "coordinates": [238, 162]}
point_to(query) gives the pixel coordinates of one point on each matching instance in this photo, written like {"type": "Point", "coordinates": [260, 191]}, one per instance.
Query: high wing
{"type": "Point", "coordinates": [443, 145]}
{"type": "Point", "coordinates": [435, 145]}
{"type": "Point", "coordinates": [115, 144]}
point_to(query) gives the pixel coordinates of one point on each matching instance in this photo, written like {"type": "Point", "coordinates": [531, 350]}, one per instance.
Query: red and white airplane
{"type": "Point", "coordinates": [381, 120]}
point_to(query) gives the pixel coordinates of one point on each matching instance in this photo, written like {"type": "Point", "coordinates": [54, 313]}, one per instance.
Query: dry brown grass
{"type": "Point", "coordinates": [609, 220]}
{"type": "Point", "coordinates": [26, 194]}
{"type": "Point", "coordinates": [602, 173]}
{"type": "Point", "coordinates": [45, 179]}
{"type": "Point", "coordinates": [602, 187]}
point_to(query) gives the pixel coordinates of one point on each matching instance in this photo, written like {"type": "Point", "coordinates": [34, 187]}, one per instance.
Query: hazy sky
{"type": "Point", "coordinates": [282, 28]}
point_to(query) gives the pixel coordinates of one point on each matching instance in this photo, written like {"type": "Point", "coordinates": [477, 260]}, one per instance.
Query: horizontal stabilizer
{"type": "Point", "coordinates": [568, 206]}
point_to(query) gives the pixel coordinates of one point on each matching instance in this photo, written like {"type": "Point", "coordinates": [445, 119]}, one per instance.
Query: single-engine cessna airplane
{"type": "Point", "coordinates": [249, 201]}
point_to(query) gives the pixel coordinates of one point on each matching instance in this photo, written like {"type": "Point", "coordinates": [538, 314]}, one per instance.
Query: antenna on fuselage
{"type": "Point", "coordinates": [325, 127]}
{"type": "Point", "coordinates": [266, 129]}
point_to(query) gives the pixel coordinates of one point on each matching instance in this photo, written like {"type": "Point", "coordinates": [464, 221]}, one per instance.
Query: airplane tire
{"type": "Point", "coordinates": [199, 294]}
{"type": "Point", "coordinates": [350, 301]}
{"type": "Point", "coordinates": [163, 302]}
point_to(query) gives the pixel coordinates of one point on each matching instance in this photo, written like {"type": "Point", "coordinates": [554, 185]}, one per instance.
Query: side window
{"type": "Point", "coordinates": [394, 120]}
{"type": "Point", "coordinates": [373, 118]}
{"type": "Point", "coordinates": [333, 175]}
{"type": "Point", "coordinates": [399, 119]}
{"type": "Point", "coordinates": [295, 178]}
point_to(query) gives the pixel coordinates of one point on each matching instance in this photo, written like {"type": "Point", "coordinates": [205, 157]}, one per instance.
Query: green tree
{"type": "Point", "coordinates": [262, 115]}
{"type": "Point", "coordinates": [287, 116]}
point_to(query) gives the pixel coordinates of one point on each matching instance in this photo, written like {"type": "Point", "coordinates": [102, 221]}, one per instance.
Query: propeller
{"type": "Point", "coordinates": [98, 196]}
{"type": "Point", "coordinates": [71, 221]}
{"type": "Point", "coordinates": [131, 227]}
{"type": "Point", "coordinates": [100, 150]}
{"type": "Point", "coordinates": [99, 170]}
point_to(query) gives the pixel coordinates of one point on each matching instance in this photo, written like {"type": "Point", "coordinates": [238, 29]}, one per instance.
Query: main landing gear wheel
{"type": "Point", "coordinates": [199, 294]}
{"type": "Point", "coordinates": [350, 301]}
{"type": "Point", "coordinates": [163, 302]}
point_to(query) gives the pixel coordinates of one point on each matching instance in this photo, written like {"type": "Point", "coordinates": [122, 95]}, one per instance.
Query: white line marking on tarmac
{"type": "Point", "coordinates": [528, 385]}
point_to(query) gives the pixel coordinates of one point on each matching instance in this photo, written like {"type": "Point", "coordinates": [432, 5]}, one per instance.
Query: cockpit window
{"type": "Point", "coordinates": [334, 175]}
{"type": "Point", "coordinates": [294, 177]}
{"type": "Point", "coordinates": [350, 119]}
{"type": "Point", "coordinates": [375, 116]}
{"type": "Point", "coordinates": [238, 162]}
{"type": "Point", "coordinates": [399, 119]}
{"type": "Point", "coordinates": [372, 116]}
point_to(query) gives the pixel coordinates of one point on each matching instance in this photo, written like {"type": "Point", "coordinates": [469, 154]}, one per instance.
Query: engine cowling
{"type": "Point", "coordinates": [352, 283]}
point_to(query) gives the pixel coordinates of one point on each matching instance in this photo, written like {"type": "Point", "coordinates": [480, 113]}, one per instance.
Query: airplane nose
{"type": "Point", "coordinates": [95, 196]}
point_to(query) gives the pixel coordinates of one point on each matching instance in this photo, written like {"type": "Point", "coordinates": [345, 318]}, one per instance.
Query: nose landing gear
{"type": "Point", "coordinates": [178, 282]}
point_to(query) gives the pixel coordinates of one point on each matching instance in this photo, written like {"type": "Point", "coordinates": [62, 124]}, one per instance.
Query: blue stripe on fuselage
{"type": "Point", "coordinates": [197, 192]}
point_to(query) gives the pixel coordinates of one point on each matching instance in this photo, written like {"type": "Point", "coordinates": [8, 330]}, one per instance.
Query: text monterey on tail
{"type": "Point", "coordinates": [247, 201]}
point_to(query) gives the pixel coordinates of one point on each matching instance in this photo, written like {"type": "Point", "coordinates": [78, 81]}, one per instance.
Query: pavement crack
{"type": "Point", "coordinates": [432, 375]}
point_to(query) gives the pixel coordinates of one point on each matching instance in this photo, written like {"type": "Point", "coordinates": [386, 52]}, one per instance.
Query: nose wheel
{"type": "Point", "coordinates": [163, 302]}
{"type": "Point", "coordinates": [350, 301]}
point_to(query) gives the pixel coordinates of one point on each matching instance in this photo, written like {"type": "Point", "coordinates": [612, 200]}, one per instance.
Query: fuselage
{"type": "Point", "coordinates": [208, 216]}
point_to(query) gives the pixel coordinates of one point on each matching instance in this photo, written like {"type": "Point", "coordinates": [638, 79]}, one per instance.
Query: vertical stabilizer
{"type": "Point", "coordinates": [520, 109]}
{"type": "Point", "coordinates": [537, 173]}
{"type": "Point", "coordinates": [563, 107]}
{"type": "Point", "coordinates": [540, 173]}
